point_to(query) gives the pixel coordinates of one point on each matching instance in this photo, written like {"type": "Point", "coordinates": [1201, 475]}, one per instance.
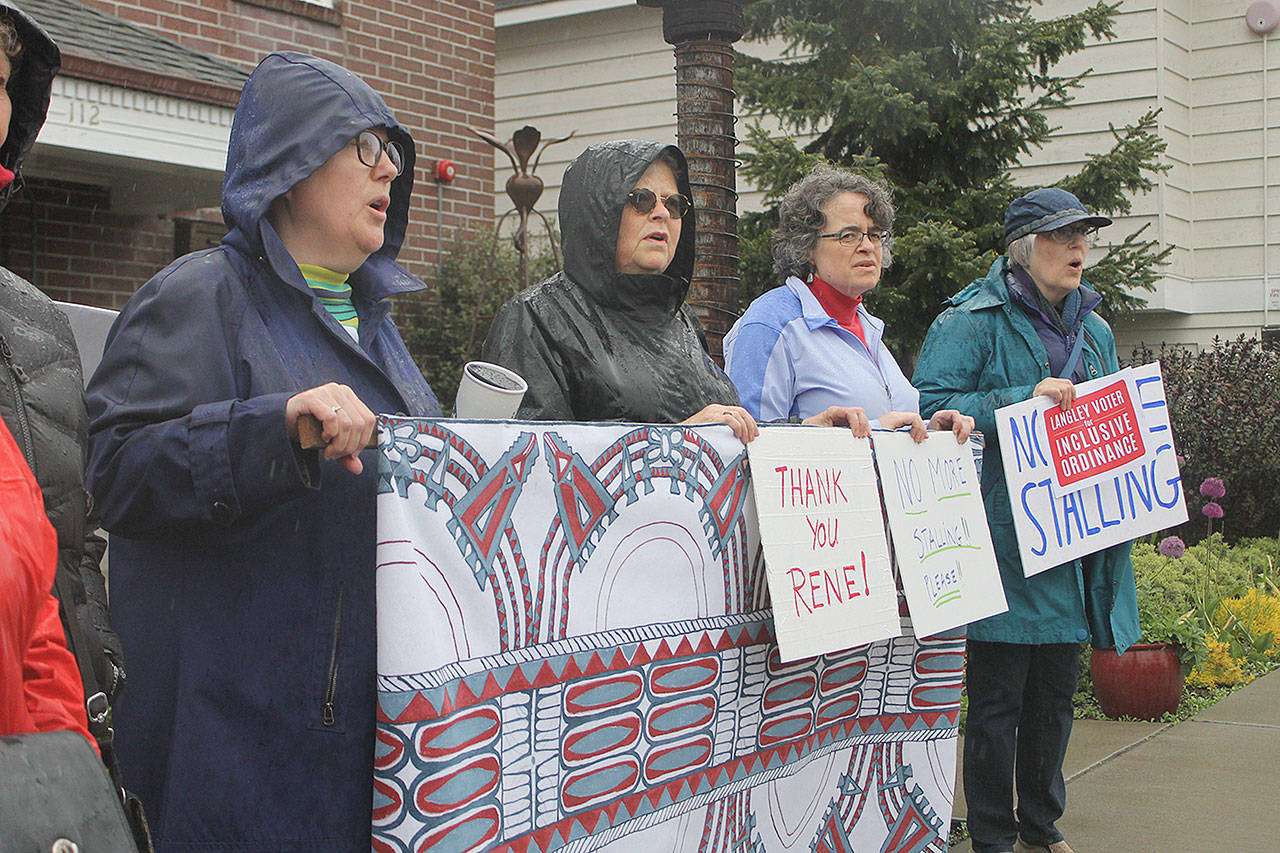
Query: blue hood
{"type": "Point", "coordinates": [295, 112]}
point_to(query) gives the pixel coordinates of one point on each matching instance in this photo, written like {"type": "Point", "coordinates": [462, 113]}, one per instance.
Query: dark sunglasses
{"type": "Point", "coordinates": [369, 148]}
{"type": "Point", "coordinates": [644, 201]}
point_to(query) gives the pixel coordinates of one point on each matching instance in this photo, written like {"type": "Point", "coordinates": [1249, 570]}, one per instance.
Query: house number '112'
{"type": "Point", "coordinates": [82, 113]}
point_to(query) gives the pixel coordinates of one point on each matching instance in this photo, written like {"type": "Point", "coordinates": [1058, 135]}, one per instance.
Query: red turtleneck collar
{"type": "Point", "coordinates": [843, 309]}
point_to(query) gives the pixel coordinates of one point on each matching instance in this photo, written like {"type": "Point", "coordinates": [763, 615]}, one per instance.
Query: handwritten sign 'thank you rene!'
{"type": "Point", "coordinates": [825, 551]}
{"type": "Point", "coordinates": [1097, 474]}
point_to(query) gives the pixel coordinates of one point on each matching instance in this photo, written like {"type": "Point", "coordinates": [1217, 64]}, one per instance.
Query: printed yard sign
{"type": "Point", "coordinates": [1098, 434]}
{"type": "Point", "coordinates": [1077, 481]}
{"type": "Point", "coordinates": [575, 652]}
{"type": "Point", "coordinates": [940, 536]}
{"type": "Point", "coordinates": [824, 544]}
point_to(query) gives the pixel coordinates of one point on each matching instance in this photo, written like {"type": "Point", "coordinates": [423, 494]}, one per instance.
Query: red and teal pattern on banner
{"type": "Point", "coordinates": [623, 689]}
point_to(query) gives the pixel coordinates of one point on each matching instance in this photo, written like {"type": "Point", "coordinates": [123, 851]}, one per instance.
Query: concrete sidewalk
{"type": "Point", "coordinates": [1206, 784]}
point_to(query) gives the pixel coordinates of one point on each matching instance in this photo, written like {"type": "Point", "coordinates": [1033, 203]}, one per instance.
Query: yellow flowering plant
{"type": "Point", "coordinates": [1211, 599]}
{"type": "Point", "coordinates": [1218, 669]}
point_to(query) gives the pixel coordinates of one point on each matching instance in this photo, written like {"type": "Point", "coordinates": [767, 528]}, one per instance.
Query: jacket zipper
{"type": "Point", "coordinates": [331, 683]}
{"type": "Point", "coordinates": [20, 378]}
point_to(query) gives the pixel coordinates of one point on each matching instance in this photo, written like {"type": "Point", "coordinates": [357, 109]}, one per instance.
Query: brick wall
{"type": "Point", "coordinates": [64, 238]}
{"type": "Point", "coordinates": [432, 60]}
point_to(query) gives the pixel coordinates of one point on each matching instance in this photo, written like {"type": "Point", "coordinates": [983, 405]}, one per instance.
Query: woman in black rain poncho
{"type": "Point", "coordinates": [609, 337]}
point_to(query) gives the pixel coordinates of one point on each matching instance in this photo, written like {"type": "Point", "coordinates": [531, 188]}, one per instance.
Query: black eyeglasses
{"type": "Point", "coordinates": [369, 148]}
{"type": "Point", "coordinates": [644, 201]}
{"type": "Point", "coordinates": [851, 237]}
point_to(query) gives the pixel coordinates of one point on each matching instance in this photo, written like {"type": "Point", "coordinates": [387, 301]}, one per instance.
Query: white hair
{"type": "Point", "coordinates": [1020, 250]}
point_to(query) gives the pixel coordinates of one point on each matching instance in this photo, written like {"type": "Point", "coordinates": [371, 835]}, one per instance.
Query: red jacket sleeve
{"type": "Point", "coordinates": [40, 687]}
{"type": "Point", "coordinates": [50, 678]}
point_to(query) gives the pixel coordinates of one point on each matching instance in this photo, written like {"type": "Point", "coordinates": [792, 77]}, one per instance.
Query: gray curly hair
{"type": "Point", "coordinates": [801, 220]}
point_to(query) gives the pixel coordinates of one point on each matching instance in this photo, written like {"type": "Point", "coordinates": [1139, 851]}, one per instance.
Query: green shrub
{"type": "Point", "coordinates": [1223, 402]}
{"type": "Point", "coordinates": [1167, 595]}
{"type": "Point", "coordinates": [446, 327]}
{"type": "Point", "coordinates": [1262, 555]}
{"type": "Point", "coordinates": [1186, 601]}
{"type": "Point", "coordinates": [1179, 598]}
{"type": "Point", "coordinates": [1172, 582]}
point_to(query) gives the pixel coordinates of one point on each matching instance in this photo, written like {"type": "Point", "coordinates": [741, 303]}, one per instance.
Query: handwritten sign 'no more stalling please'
{"type": "Point", "coordinates": [940, 535]}
{"type": "Point", "coordinates": [826, 557]}
{"type": "Point", "coordinates": [1100, 473]}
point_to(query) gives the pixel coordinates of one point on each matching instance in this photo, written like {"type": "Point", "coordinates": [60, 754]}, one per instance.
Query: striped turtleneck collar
{"type": "Point", "coordinates": [334, 293]}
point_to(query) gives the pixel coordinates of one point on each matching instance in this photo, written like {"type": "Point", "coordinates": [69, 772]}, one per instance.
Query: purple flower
{"type": "Point", "coordinates": [1212, 510]}
{"type": "Point", "coordinates": [1180, 459]}
{"type": "Point", "coordinates": [1172, 546]}
{"type": "Point", "coordinates": [1212, 488]}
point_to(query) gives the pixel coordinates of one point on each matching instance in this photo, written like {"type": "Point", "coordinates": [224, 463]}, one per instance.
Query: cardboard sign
{"type": "Point", "coordinates": [1117, 496]}
{"type": "Point", "coordinates": [940, 536]}
{"type": "Point", "coordinates": [825, 552]}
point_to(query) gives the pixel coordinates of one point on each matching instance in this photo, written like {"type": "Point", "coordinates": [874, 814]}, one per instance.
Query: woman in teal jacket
{"type": "Point", "coordinates": [1027, 329]}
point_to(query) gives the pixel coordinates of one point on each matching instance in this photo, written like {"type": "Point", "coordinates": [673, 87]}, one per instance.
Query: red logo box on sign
{"type": "Point", "coordinates": [1101, 431]}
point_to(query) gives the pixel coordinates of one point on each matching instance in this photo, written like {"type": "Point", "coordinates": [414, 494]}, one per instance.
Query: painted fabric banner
{"type": "Point", "coordinates": [575, 652]}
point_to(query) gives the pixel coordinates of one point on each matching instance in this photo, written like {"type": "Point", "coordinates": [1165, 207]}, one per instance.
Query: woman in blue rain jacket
{"type": "Point", "coordinates": [242, 568]}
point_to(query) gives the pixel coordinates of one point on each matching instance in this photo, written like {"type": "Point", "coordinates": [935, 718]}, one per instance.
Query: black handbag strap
{"type": "Point", "coordinates": [96, 707]}
{"type": "Point", "coordinates": [97, 710]}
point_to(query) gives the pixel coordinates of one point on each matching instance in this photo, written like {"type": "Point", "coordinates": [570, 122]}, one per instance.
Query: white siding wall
{"type": "Point", "coordinates": [605, 74]}
{"type": "Point", "coordinates": [1198, 62]}
{"type": "Point", "coordinates": [608, 74]}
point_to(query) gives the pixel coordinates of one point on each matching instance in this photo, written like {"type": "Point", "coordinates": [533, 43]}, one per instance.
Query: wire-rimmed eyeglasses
{"type": "Point", "coordinates": [1067, 233]}
{"type": "Point", "coordinates": [644, 201]}
{"type": "Point", "coordinates": [852, 237]}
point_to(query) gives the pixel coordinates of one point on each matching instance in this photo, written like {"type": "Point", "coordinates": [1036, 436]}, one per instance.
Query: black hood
{"type": "Point", "coordinates": [29, 91]}
{"type": "Point", "coordinates": [592, 196]}
{"type": "Point", "coordinates": [594, 344]}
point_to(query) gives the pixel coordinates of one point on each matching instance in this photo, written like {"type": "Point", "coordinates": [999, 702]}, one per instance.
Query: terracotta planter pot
{"type": "Point", "coordinates": [1144, 682]}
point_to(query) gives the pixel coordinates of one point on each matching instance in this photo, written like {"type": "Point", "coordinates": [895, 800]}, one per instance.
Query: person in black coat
{"type": "Point", "coordinates": [42, 388]}
{"type": "Point", "coordinates": [609, 337]}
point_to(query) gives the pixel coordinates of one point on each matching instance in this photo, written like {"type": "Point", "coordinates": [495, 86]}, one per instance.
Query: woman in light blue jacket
{"type": "Point", "coordinates": [811, 343]}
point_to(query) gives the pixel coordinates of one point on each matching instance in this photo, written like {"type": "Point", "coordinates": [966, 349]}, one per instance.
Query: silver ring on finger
{"type": "Point", "coordinates": [337, 409]}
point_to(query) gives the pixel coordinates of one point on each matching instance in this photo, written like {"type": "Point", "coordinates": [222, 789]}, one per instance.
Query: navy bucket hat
{"type": "Point", "coordinates": [1044, 210]}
